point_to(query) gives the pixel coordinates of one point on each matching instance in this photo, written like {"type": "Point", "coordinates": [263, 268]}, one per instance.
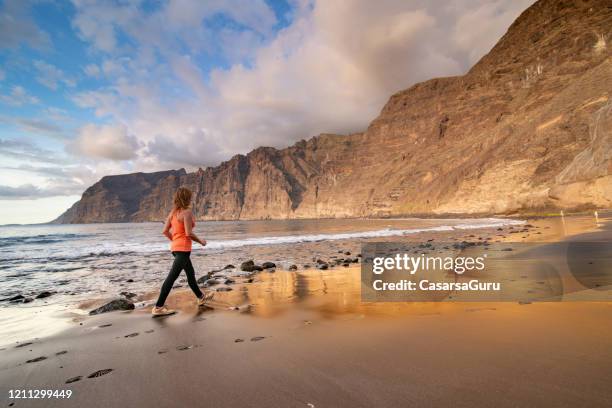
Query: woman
{"type": "Point", "coordinates": [179, 229]}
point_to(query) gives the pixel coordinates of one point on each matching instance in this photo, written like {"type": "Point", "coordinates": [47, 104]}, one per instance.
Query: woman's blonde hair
{"type": "Point", "coordinates": [182, 198]}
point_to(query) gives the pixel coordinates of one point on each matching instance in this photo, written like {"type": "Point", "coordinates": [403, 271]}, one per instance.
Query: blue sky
{"type": "Point", "coordinates": [96, 87]}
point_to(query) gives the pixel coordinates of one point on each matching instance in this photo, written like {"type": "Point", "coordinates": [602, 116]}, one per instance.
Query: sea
{"type": "Point", "coordinates": [84, 262]}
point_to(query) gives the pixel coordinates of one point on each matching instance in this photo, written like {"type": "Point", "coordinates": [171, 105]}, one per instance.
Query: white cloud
{"type": "Point", "coordinates": [92, 70]}
{"type": "Point", "coordinates": [18, 97]}
{"type": "Point", "coordinates": [50, 76]}
{"type": "Point", "coordinates": [105, 142]}
{"type": "Point", "coordinates": [18, 28]}
{"type": "Point", "coordinates": [331, 70]}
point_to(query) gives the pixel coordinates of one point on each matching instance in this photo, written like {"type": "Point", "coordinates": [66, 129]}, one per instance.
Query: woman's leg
{"type": "Point", "coordinates": [180, 261]}
{"type": "Point", "coordinates": [191, 280]}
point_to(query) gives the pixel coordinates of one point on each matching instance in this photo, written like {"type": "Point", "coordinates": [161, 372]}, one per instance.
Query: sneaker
{"type": "Point", "coordinates": [206, 297]}
{"type": "Point", "coordinates": [162, 311]}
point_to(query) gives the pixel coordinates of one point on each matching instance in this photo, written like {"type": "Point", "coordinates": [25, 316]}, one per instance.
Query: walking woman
{"type": "Point", "coordinates": [179, 229]}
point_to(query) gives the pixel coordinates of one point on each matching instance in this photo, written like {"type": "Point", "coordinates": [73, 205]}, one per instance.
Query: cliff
{"type": "Point", "coordinates": [528, 128]}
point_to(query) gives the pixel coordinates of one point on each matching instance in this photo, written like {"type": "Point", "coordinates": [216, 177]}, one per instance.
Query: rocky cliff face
{"type": "Point", "coordinates": [528, 128]}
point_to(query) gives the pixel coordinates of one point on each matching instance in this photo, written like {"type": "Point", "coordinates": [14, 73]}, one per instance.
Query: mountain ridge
{"type": "Point", "coordinates": [527, 128]}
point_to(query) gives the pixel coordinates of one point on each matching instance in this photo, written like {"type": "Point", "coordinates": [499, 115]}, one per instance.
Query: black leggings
{"type": "Point", "coordinates": [181, 261]}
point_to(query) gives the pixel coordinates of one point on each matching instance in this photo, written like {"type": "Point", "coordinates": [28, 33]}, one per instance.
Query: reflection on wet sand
{"type": "Point", "coordinates": [329, 294]}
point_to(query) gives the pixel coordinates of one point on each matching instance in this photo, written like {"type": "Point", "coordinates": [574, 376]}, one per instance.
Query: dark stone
{"type": "Point", "coordinates": [347, 253]}
{"type": "Point", "coordinates": [206, 277]}
{"type": "Point", "coordinates": [44, 294]}
{"type": "Point", "coordinates": [17, 297]}
{"type": "Point", "coordinates": [293, 267]}
{"type": "Point", "coordinates": [229, 266]}
{"type": "Point", "coordinates": [268, 265]}
{"type": "Point", "coordinates": [247, 266]}
{"type": "Point", "coordinates": [128, 295]}
{"type": "Point", "coordinates": [117, 304]}
{"type": "Point", "coordinates": [322, 266]}
{"type": "Point", "coordinates": [27, 300]}
{"type": "Point", "coordinates": [130, 280]}
{"type": "Point", "coordinates": [211, 282]}
{"type": "Point", "coordinates": [223, 289]}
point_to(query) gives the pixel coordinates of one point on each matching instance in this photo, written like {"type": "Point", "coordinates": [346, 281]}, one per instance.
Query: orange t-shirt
{"type": "Point", "coordinates": [181, 242]}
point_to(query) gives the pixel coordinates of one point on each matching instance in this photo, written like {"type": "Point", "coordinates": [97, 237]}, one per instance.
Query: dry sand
{"type": "Point", "coordinates": [307, 340]}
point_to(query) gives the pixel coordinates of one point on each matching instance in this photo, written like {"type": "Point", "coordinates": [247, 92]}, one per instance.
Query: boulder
{"type": "Point", "coordinates": [229, 266]}
{"type": "Point", "coordinates": [113, 305]}
{"type": "Point", "coordinates": [293, 267]}
{"type": "Point", "coordinates": [268, 265]}
{"type": "Point", "coordinates": [16, 298]}
{"type": "Point", "coordinates": [44, 294]}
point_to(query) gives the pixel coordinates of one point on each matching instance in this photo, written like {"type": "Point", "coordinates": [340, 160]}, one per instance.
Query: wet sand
{"type": "Point", "coordinates": [304, 339]}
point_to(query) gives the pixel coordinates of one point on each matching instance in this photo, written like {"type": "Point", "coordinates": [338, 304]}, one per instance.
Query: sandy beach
{"type": "Point", "coordinates": [304, 339]}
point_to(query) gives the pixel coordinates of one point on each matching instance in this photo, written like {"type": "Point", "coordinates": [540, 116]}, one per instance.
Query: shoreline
{"type": "Point", "coordinates": [304, 337]}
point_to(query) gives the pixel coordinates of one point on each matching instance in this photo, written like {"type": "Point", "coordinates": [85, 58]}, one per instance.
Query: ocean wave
{"type": "Point", "coordinates": [382, 233]}
{"type": "Point", "coordinates": [40, 239]}
{"type": "Point", "coordinates": [68, 253]}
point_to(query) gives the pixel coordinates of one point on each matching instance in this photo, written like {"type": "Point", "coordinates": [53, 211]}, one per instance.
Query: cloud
{"type": "Point", "coordinates": [18, 28]}
{"type": "Point", "coordinates": [331, 70]}
{"type": "Point", "coordinates": [39, 126]}
{"type": "Point", "coordinates": [32, 192]}
{"type": "Point", "coordinates": [105, 142]}
{"type": "Point", "coordinates": [27, 152]}
{"type": "Point", "coordinates": [50, 76]}
{"type": "Point", "coordinates": [92, 70]}
{"type": "Point", "coordinates": [18, 97]}
{"type": "Point", "coordinates": [174, 25]}
{"type": "Point", "coordinates": [23, 192]}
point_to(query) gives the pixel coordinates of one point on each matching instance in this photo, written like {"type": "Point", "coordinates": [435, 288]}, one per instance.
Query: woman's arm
{"type": "Point", "coordinates": [188, 222]}
{"type": "Point", "coordinates": [166, 230]}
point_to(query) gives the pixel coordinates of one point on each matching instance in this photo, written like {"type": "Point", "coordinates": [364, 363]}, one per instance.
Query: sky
{"type": "Point", "coordinates": [90, 88]}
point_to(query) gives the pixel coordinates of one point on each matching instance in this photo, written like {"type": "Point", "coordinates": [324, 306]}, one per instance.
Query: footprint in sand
{"type": "Point", "coordinates": [74, 379]}
{"type": "Point", "coordinates": [37, 359]}
{"type": "Point", "coordinates": [131, 335]}
{"type": "Point", "coordinates": [257, 338]}
{"type": "Point", "coordinates": [238, 340]}
{"type": "Point", "coordinates": [149, 331]}
{"type": "Point", "coordinates": [162, 351]}
{"type": "Point", "coordinates": [100, 373]}
{"type": "Point", "coordinates": [23, 344]}
{"type": "Point", "coordinates": [183, 348]}
{"type": "Point", "coordinates": [59, 353]}
{"type": "Point", "coordinates": [105, 325]}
